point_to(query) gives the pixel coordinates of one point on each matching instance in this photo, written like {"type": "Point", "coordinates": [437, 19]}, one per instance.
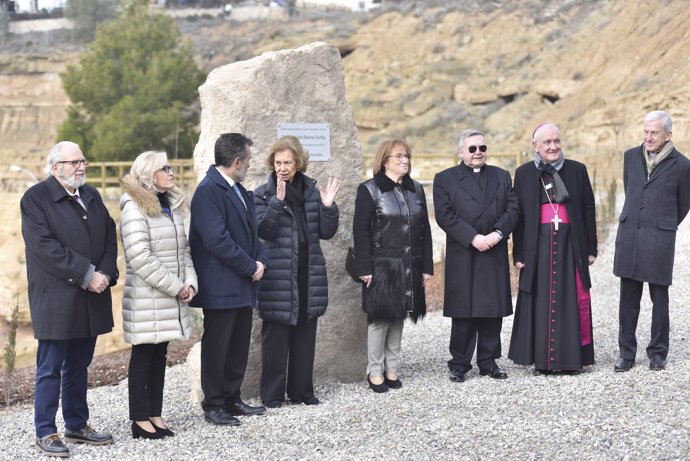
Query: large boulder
{"type": "Point", "coordinates": [304, 85]}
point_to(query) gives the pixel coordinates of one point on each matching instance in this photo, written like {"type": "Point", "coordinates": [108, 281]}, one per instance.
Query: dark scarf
{"type": "Point", "coordinates": [294, 196]}
{"type": "Point", "coordinates": [560, 192]}
{"type": "Point", "coordinates": [165, 202]}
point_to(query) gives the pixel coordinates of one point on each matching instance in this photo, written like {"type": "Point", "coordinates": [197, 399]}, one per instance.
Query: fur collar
{"type": "Point", "coordinates": [146, 200]}
{"type": "Point", "coordinates": [386, 184]}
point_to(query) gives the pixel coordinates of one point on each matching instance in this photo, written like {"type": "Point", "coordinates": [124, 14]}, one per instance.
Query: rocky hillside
{"type": "Point", "coordinates": [427, 70]}
{"type": "Point", "coordinates": [422, 70]}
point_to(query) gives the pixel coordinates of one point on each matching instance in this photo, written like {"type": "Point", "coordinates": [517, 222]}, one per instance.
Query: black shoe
{"type": "Point", "coordinates": [657, 363]}
{"type": "Point", "coordinates": [220, 417]}
{"type": "Point", "coordinates": [457, 376]}
{"type": "Point", "coordinates": [378, 388]}
{"type": "Point", "coordinates": [495, 373]}
{"type": "Point", "coordinates": [138, 431]}
{"type": "Point", "coordinates": [542, 372]}
{"type": "Point", "coordinates": [240, 408]}
{"type": "Point", "coordinates": [163, 430]}
{"type": "Point", "coordinates": [273, 404]}
{"type": "Point", "coordinates": [88, 435]}
{"type": "Point", "coordinates": [311, 401]}
{"type": "Point", "coordinates": [393, 383]}
{"type": "Point", "coordinates": [623, 365]}
{"type": "Point", "coordinates": [51, 445]}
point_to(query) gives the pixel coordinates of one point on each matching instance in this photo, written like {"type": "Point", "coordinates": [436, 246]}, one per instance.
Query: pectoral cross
{"type": "Point", "coordinates": [555, 220]}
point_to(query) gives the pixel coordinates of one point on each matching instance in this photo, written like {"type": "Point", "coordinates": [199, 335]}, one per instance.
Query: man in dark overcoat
{"type": "Point", "coordinates": [229, 260]}
{"type": "Point", "coordinates": [71, 263]}
{"type": "Point", "coordinates": [476, 207]}
{"type": "Point", "coordinates": [657, 198]}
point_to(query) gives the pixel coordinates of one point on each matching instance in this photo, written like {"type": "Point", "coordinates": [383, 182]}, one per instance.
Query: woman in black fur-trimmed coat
{"type": "Point", "coordinates": [393, 255]}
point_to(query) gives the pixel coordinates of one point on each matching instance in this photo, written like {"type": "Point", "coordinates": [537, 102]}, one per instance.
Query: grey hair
{"type": "Point", "coordinates": [660, 115]}
{"type": "Point", "coordinates": [537, 131]}
{"type": "Point", "coordinates": [55, 155]}
{"type": "Point", "coordinates": [468, 134]}
{"type": "Point", "coordinates": [145, 166]}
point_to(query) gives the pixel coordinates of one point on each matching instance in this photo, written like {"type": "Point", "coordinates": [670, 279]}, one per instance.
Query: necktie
{"type": "Point", "coordinates": [77, 199]}
{"type": "Point", "coordinates": [239, 194]}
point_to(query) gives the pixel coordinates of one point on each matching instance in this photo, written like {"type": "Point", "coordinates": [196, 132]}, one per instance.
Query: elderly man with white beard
{"type": "Point", "coordinates": [71, 263]}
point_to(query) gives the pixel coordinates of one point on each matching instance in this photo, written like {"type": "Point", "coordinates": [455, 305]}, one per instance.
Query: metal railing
{"type": "Point", "coordinates": [105, 175]}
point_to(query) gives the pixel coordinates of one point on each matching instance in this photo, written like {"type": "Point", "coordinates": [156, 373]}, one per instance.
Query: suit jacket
{"type": "Point", "coordinates": [654, 207]}
{"type": "Point", "coordinates": [581, 211]}
{"type": "Point", "coordinates": [62, 242]}
{"type": "Point", "coordinates": [224, 243]}
{"type": "Point", "coordinates": [477, 284]}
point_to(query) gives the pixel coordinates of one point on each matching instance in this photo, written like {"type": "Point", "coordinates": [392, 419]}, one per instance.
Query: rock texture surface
{"type": "Point", "coordinates": [304, 85]}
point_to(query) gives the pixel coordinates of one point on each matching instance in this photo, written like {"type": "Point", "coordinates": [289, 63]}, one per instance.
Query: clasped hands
{"type": "Point", "coordinates": [486, 242]}
{"type": "Point", "coordinates": [186, 293]}
{"type": "Point", "coordinates": [98, 283]}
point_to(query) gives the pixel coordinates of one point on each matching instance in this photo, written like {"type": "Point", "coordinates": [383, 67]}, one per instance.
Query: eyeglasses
{"type": "Point", "coordinates": [167, 169]}
{"type": "Point", "coordinates": [75, 163]}
{"type": "Point", "coordinates": [399, 157]}
{"type": "Point", "coordinates": [473, 149]}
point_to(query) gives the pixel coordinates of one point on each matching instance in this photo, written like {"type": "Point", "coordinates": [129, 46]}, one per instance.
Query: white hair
{"type": "Point", "coordinates": [537, 132]}
{"type": "Point", "coordinates": [660, 115]}
{"type": "Point", "coordinates": [55, 155]}
{"type": "Point", "coordinates": [468, 134]}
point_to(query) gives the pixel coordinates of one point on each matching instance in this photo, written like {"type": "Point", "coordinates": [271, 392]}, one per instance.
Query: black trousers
{"type": "Point", "coordinates": [287, 354]}
{"type": "Point", "coordinates": [224, 352]}
{"type": "Point", "coordinates": [485, 332]}
{"type": "Point", "coordinates": [629, 312]}
{"type": "Point", "coordinates": [146, 380]}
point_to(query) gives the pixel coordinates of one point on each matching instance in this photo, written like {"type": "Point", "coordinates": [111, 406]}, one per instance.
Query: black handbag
{"type": "Point", "coordinates": [350, 265]}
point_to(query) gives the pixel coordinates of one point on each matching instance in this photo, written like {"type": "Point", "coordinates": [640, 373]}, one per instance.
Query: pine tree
{"type": "Point", "coordinates": [133, 89]}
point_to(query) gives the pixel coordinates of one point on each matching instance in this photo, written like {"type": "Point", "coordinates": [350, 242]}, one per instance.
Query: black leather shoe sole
{"type": "Point", "coordinates": [457, 376]}
{"type": "Point", "coordinates": [221, 420]}
{"type": "Point", "coordinates": [657, 366]}
{"type": "Point", "coordinates": [257, 412]}
{"type": "Point", "coordinates": [623, 365]}
{"type": "Point", "coordinates": [495, 373]}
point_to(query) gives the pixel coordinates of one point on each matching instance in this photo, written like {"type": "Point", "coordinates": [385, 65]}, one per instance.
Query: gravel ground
{"type": "Point", "coordinates": [596, 415]}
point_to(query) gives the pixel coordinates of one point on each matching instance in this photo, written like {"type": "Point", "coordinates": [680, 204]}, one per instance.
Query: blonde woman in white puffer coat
{"type": "Point", "coordinates": [159, 283]}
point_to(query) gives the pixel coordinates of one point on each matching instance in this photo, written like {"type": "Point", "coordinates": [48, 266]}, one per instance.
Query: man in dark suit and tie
{"type": "Point", "coordinates": [476, 207]}
{"type": "Point", "coordinates": [229, 260]}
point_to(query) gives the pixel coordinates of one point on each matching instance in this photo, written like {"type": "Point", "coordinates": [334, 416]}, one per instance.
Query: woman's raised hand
{"type": "Point", "coordinates": [328, 194]}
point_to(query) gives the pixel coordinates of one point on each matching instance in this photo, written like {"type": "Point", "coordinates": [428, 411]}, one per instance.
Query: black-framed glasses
{"type": "Point", "coordinates": [473, 149]}
{"type": "Point", "coordinates": [167, 168]}
{"type": "Point", "coordinates": [75, 163]}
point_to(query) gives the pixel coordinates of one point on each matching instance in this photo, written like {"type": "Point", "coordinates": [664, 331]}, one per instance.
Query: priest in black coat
{"type": "Point", "coordinates": [476, 207]}
{"type": "Point", "coordinates": [657, 198]}
{"type": "Point", "coordinates": [554, 243]}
